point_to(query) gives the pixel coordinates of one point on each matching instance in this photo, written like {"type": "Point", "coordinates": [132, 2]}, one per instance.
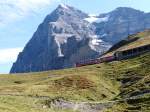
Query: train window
{"type": "Point", "coordinates": [129, 52]}
{"type": "Point", "coordinates": [117, 54]}
{"type": "Point", "coordinates": [124, 53]}
{"type": "Point", "coordinates": [135, 50]}
{"type": "Point", "coordinates": [146, 48]}
{"type": "Point", "coordinates": [140, 49]}
{"type": "Point", "coordinates": [143, 49]}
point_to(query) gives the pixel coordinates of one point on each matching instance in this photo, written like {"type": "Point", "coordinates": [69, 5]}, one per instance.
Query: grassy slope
{"type": "Point", "coordinates": [101, 82]}
{"type": "Point", "coordinates": [117, 80]}
{"type": "Point", "coordinates": [135, 81]}
{"type": "Point", "coordinates": [81, 84]}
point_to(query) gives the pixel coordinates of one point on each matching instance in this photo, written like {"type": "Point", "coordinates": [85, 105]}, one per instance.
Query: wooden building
{"type": "Point", "coordinates": [124, 54]}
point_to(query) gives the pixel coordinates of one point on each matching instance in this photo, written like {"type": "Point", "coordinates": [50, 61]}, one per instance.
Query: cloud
{"type": "Point", "coordinates": [11, 10]}
{"type": "Point", "coordinates": [9, 55]}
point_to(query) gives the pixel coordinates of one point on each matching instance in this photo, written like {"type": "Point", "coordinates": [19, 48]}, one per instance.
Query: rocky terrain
{"type": "Point", "coordinates": [68, 35]}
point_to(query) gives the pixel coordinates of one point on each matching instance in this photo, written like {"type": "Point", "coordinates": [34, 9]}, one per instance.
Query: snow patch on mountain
{"type": "Point", "coordinates": [98, 45]}
{"type": "Point", "coordinates": [94, 19]}
{"type": "Point", "coordinates": [61, 39]}
{"type": "Point", "coordinates": [91, 18]}
{"type": "Point", "coordinates": [104, 19]}
{"type": "Point", "coordinates": [103, 35]}
{"type": "Point", "coordinates": [60, 54]}
{"type": "Point", "coordinates": [95, 40]}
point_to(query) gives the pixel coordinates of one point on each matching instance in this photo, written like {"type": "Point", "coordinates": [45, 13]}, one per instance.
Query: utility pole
{"type": "Point", "coordinates": [128, 27]}
{"type": "Point", "coordinates": [48, 40]}
{"type": "Point", "coordinates": [30, 67]}
{"type": "Point", "coordinates": [129, 22]}
{"type": "Point", "coordinates": [144, 24]}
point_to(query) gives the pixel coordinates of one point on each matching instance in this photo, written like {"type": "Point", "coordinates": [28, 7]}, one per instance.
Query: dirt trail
{"type": "Point", "coordinates": [77, 106]}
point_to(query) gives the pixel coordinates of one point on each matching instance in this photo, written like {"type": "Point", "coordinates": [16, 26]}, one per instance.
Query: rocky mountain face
{"type": "Point", "coordinates": [122, 22]}
{"type": "Point", "coordinates": [68, 35]}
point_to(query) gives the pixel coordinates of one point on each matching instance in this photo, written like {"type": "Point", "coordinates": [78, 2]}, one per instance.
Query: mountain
{"type": "Point", "coordinates": [122, 22]}
{"type": "Point", "coordinates": [68, 35]}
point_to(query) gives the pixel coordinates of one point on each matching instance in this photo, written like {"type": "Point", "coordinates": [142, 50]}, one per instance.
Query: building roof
{"type": "Point", "coordinates": [138, 43]}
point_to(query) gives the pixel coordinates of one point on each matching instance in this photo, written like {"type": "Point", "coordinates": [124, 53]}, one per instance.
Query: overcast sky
{"type": "Point", "coordinates": [19, 19]}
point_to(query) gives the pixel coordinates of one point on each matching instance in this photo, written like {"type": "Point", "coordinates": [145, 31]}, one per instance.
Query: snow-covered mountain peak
{"type": "Point", "coordinates": [63, 6]}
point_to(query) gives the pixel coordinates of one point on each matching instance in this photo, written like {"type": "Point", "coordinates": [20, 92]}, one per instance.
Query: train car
{"type": "Point", "coordinates": [95, 61]}
{"type": "Point", "coordinates": [87, 62]}
{"type": "Point", "coordinates": [108, 59]}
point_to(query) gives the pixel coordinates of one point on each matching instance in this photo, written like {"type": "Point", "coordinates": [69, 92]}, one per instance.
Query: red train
{"type": "Point", "coordinates": [119, 55]}
{"type": "Point", "coordinates": [95, 61]}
